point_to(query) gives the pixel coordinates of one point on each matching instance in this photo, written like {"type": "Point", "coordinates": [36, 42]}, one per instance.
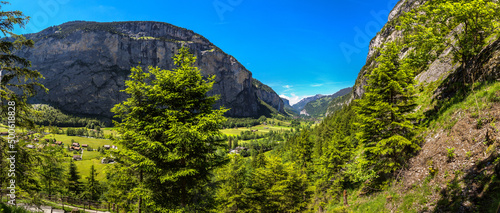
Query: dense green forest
{"type": "Point", "coordinates": [173, 156]}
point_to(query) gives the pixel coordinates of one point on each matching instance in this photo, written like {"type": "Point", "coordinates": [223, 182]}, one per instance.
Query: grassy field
{"type": "Point", "coordinates": [261, 129]}
{"type": "Point", "coordinates": [93, 142]}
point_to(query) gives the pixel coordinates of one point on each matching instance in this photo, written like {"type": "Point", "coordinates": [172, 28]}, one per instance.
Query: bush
{"type": "Point", "coordinates": [451, 153]}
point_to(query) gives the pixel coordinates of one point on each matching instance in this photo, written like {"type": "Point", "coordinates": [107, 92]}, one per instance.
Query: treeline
{"type": "Point", "coordinates": [50, 116]}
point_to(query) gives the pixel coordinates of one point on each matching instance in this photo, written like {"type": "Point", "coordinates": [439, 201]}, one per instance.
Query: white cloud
{"type": "Point", "coordinates": [287, 86]}
{"type": "Point", "coordinates": [316, 85]}
{"type": "Point", "coordinates": [293, 98]}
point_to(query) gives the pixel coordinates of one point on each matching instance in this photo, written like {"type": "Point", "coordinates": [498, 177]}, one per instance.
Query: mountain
{"type": "Point", "coordinates": [85, 65]}
{"type": "Point", "coordinates": [299, 106]}
{"type": "Point", "coordinates": [458, 109]}
{"type": "Point", "coordinates": [289, 109]}
{"type": "Point", "coordinates": [318, 107]}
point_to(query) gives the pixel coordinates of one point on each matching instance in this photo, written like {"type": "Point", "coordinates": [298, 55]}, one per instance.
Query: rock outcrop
{"type": "Point", "coordinates": [85, 65]}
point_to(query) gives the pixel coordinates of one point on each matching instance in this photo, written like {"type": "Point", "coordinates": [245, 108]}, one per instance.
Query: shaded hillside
{"type": "Point", "coordinates": [85, 65]}
{"type": "Point", "coordinates": [318, 107]}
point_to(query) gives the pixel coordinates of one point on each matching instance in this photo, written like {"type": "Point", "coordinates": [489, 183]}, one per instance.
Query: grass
{"type": "Point", "coordinates": [93, 142]}
{"type": "Point", "coordinates": [390, 200]}
{"type": "Point", "coordinates": [83, 168]}
{"type": "Point", "coordinates": [234, 132]}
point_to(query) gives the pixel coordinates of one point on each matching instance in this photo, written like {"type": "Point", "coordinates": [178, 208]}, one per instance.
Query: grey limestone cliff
{"type": "Point", "coordinates": [85, 65]}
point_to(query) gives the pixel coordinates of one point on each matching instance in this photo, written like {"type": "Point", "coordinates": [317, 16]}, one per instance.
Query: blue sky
{"type": "Point", "coordinates": [299, 48]}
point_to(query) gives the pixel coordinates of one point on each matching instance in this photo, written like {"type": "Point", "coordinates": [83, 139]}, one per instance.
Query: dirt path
{"type": "Point", "coordinates": [47, 209]}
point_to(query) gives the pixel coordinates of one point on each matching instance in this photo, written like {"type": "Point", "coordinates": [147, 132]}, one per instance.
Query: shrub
{"type": "Point", "coordinates": [451, 153]}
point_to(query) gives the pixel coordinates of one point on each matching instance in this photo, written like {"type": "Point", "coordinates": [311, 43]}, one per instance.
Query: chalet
{"type": "Point", "coordinates": [107, 160]}
{"type": "Point", "coordinates": [85, 145]}
{"type": "Point", "coordinates": [107, 146]}
{"type": "Point", "coordinates": [76, 148]}
{"type": "Point", "coordinates": [59, 143]}
{"type": "Point", "coordinates": [76, 144]}
{"type": "Point", "coordinates": [237, 150]}
{"type": "Point", "coordinates": [4, 133]}
{"type": "Point", "coordinates": [77, 157]}
{"type": "Point", "coordinates": [255, 130]}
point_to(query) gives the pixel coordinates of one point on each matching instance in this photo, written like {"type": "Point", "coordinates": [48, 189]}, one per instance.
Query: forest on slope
{"type": "Point", "coordinates": [409, 138]}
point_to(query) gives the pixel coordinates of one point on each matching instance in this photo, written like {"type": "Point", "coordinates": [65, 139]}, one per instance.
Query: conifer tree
{"type": "Point", "coordinates": [74, 184]}
{"type": "Point", "coordinates": [166, 130]}
{"type": "Point", "coordinates": [387, 122]}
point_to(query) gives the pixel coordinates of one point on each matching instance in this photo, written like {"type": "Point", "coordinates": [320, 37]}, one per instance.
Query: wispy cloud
{"type": "Point", "coordinates": [316, 85]}
{"type": "Point", "coordinates": [287, 86]}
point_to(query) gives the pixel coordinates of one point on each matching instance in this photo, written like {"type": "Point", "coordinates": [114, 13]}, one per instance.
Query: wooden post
{"type": "Point", "coordinates": [345, 198]}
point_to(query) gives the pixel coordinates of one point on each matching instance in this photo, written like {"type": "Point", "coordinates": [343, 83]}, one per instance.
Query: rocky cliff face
{"type": "Point", "coordinates": [85, 65]}
{"type": "Point", "coordinates": [387, 34]}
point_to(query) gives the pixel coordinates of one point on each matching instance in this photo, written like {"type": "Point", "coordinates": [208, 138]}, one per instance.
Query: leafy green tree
{"type": "Point", "coordinates": [278, 187]}
{"type": "Point", "coordinates": [386, 117]}
{"type": "Point", "coordinates": [166, 130]}
{"type": "Point", "coordinates": [232, 194]}
{"type": "Point", "coordinates": [462, 25]}
{"type": "Point", "coordinates": [51, 169]}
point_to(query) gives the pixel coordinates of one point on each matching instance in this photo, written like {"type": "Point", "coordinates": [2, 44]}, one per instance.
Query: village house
{"type": "Point", "coordinates": [77, 157]}
{"type": "Point", "coordinates": [107, 146]}
{"type": "Point", "coordinates": [76, 144]}
{"type": "Point", "coordinates": [85, 145]}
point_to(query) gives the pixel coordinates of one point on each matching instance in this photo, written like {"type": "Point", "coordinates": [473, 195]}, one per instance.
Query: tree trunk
{"type": "Point", "coordinates": [345, 198]}
{"type": "Point", "coordinates": [139, 203]}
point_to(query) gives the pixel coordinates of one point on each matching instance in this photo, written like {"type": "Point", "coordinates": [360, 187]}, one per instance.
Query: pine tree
{"type": "Point", "coordinates": [93, 188]}
{"type": "Point", "coordinates": [166, 130]}
{"type": "Point", "coordinates": [74, 184]}
{"type": "Point", "coordinates": [387, 122]}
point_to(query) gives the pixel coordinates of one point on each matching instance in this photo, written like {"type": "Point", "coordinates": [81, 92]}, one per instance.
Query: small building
{"type": "Point", "coordinates": [107, 146]}
{"type": "Point", "coordinates": [107, 160]}
{"type": "Point", "coordinates": [85, 145]}
{"type": "Point", "coordinates": [4, 133]}
{"type": "Point", "coordinates": [114, 147]}
{"type": "Point", "coordinates": [77, 157]}
{"type": "Point", "coordinates": [59, 143]}
{"type": "Point", "coordinates": [30, 146]}
{"type": "Point", "coordinates": [76, 148]}
{"type": "Point", "coordinates": [76, 144]}
{"type": "Point", "coordinates": [255, 130]}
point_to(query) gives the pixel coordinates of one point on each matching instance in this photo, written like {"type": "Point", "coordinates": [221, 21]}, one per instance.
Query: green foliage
{"type": "Point", "coordinates": [469, 22]}
{"type": "Point", "coordinates": [167, 128]}
{"type": "Point", "coordinates": [387, 128]}
{"type": "Point", "coordinates": [278, 187]}
{"type": "Point", "coordinates": [17, 81]}
{"type": "Point", "coordinates": [73, 181]}
{"type": "Point", "coordinates": [450, 153]}
{"type": "Point", "coordinates": [50, 116]}
{"type": "Point", "coordinates": [93, 188]}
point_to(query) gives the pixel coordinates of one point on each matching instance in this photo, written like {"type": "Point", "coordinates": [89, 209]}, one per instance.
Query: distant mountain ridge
{"type": "Point", "coordinates": [85, 65]}
{"type": "Point", "coordinates": [299, 106]}
{"type": "Point", "coordinates": [319, 107]}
